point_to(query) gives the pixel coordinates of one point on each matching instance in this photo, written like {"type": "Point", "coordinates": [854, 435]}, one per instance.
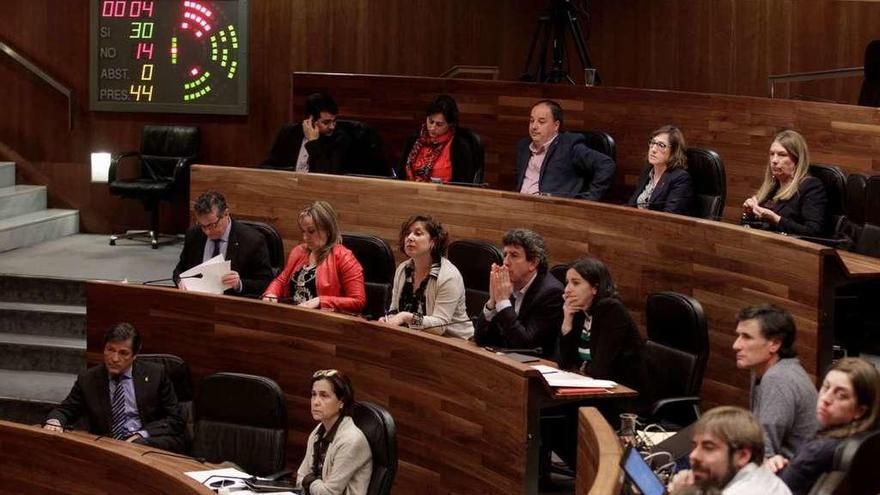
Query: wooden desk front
{"type": "Point", "coordinates": [725, 267]}
{"type": "Point", "coordinates": [467, 419]}
{"type": "Point", "coordinates": [38, 462]}
{"type": "Point", "coordinates": [740, 128]}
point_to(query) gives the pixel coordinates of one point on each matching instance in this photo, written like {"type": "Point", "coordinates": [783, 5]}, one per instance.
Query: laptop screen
{"type": "Point", "coordinates": [640, 474]}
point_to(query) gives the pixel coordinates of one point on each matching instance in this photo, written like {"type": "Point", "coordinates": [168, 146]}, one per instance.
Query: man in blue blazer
{"type": "Point", "coordinates": [559, 163]}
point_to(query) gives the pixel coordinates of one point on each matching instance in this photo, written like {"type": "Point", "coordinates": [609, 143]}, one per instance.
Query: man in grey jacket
{"type": "Point", "coordinates": [783, 398]}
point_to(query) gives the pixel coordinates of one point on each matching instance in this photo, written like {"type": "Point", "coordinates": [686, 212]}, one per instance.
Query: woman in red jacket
{"type": "Point", "coordinates": [320, 272]}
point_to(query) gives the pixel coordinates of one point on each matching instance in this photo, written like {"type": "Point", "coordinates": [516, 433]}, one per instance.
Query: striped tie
{"type": "Point", "coordinates": [117, 409]}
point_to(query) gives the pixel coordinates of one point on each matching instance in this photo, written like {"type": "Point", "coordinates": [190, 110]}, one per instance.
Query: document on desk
{"type": "Point", "coordinates": [558, 378]}
{"type": "Point", "coordinates": [214, 478]}
{"type": "Point", "coordinates": [212, 272]}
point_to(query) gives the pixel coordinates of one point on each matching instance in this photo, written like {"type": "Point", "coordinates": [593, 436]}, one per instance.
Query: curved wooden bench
{"type": "Point", "coordinates": [40, 462]}
{"type": "Point", "coordinates": [467, 419]}
{"type": "Point", "coordinates": [599, 453]}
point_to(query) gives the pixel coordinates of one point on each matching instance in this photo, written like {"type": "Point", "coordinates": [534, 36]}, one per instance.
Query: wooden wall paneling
{"type": "Point", "coordinates": [37, 462]}
{"type": "Point", "coordinates": [461, 412]}
{"type": "Point", "coordinates": [724, 266]}
{"type": "Point", "coordinates": [739, 128]}
{"type": "Point", "coordinates": [729, 46]}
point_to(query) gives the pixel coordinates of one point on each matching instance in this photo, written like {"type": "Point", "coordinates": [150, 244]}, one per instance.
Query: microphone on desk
{"type": "Point", "coordinates": [200, 460]}
{"type": "Point", "coordinates": [148, 282]}
{"type": "Point", "coordinates": [532, 351]}
{"type": "Point", "coordinates": [471, 319]}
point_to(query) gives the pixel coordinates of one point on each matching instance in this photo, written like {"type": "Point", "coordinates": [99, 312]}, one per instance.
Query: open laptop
{"type": "Point", "coordinates": [640, 474]}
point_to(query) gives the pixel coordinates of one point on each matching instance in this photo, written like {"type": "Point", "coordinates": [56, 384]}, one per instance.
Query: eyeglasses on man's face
{"type": "Point", "coordinates": [213, 225]}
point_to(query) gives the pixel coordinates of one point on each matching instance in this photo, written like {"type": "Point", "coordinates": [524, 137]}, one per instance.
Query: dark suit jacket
{"type": "Point", "coordinates": [156, 402]}
{"type": "Point", "coordinates": [804, 213]}
{"type": "Point", "coordinates": [463, 154]}
{"type": "Point", "coordinates": [536, 325]}
{"type": "Point", "coordinates": [247, 250]}
{"type": "Point", "coordinates": [570, 168]}
{"type": "Point", "coordinates": [327, 154]}
{"type": "Point", "coordinates": [616, 345]}
{"type": "Point", "coordinates": [673, 194]}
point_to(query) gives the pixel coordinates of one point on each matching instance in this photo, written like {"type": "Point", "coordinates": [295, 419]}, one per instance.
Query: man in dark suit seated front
{"type": "Point", "coordinates": [559, 163]}
{"type": "Point", "coordinates": [315, 145]}
{"type": "Point", "coordinates": [124, 398]}
{"type": "Point", "coordinates": [242, 245]}
{"type": "Point", "coordinates": [525, 301]}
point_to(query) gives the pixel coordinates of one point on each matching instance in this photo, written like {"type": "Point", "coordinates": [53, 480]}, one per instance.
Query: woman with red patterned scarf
{"type": "Point", "coordinates": [437, 152]}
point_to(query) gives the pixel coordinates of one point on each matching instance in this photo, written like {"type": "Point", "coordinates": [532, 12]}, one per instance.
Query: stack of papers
{"type": "Point", "coordinates": [212, 272]}
{"type": "Point", "coordinates": [558, 378]}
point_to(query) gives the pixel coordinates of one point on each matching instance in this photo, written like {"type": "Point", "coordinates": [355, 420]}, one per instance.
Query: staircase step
{"type": "Point", "coordinates": [28, 396]}
{"type": "Point", "coordinates": [7, 174]}
{"type": "Point", "coordinates": [41, 353]}
{"type": "Point", "coordinates": [19, 200]}
{"type": "Point", "coordinates": [45, 290]}
{"type": "Point", "coordinates": [53, 320]}
{"type": "Point", "coordinates": [37, 227]}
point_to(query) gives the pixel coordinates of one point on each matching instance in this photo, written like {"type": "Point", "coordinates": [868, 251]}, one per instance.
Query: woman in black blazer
{"type": "Point", "coordinates": [789, 200]}
{"type": "Point", "coordinates": [665, 184]}
{"type": "Point", "coordinates": [598, 336]}
{"type": "Point", "coordinates": [439, 151]}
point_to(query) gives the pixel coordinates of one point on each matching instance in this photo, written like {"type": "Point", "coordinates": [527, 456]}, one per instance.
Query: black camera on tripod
{"type": "Point", "coordinates": [550, 41]}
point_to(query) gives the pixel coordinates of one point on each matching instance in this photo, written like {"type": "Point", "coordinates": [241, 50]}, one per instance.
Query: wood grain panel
{"type": "Point", "coordinates": [37, 462]}
{"type": "Point", "coordinates": [461, 412]}
{"type": "Point", "coordinates": [725, 266]}
{"type": "Point", "coordinates": [739, 128]}
{"type": "Point", "coordinates": [599, 454]}
{"type": "Point", "coordinates": [731, 46]}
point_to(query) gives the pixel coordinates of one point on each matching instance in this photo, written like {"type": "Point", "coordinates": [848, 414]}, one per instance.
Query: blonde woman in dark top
{"type": "Point", "coordinates": [789, 200]}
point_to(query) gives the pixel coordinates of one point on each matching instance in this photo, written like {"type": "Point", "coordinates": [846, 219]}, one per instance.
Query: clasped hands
{"type": "Point", "coordinates": [500, 286]}
{"type": "Point", "coordinates": [752, 208]}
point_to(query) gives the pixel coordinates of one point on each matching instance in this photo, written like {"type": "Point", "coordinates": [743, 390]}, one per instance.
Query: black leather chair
{"type": "Point", "coordinates": [709, 182]}
{"type": "Point", "coordinates": [869, 96]}
{"type": "Point", "coordinates": [273, 242]}
{"type": "Point", "coordinates": [242, 419]}
{"type": "Point", "coordinates": [855, 466]}
{"type": "Point", "coordinates": [365, 155]}
{"type": "Point", "coordinates": [377, 260]}
{"type": "Point", "coordinates": [476, 144]}
{"type": "Point", "coordinates": [474, 259]}
{"type": "Point", "coordinates": [602, 142]}
{"type": "Point", "coordinates": [559, 270]}
{"type": "Point", "coordinates": [677, 351]}
{"type": "Point", "coordinates": [178, 372]}
{"type": "Point", "coordinates": [165, 156]}
{"type": "Point", "coordinates": [381, 432]}
{"type": "Point", "coordinates": [834, 180]}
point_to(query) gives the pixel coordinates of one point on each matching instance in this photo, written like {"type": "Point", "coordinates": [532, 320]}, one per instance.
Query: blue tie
{"type": "Point", "coordinates": [216, 247]}
{"type": "Point", "coordinates": [117, 410]}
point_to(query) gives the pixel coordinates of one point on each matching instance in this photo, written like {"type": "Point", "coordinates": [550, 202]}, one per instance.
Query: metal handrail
{"type": "Point", "coordinates": [811, 76]}
{"type": "Point", "coordinates": [37, 71]}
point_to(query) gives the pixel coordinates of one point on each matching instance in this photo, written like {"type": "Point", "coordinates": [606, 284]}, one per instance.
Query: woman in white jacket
{"type": "Point", "coordinates": [338, 460]}
{"type": "Point", "coordinates": [428, 291]}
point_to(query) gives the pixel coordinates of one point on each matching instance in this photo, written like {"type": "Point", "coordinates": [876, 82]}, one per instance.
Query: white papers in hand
{"type": "Point", "coordinates": [559, 378]}
{"type": "Point", "coordinates": [212, 272]}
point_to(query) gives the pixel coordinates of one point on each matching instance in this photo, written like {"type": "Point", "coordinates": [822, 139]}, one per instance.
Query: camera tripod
{"type": "Point", "coordinates": [557, 20]}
